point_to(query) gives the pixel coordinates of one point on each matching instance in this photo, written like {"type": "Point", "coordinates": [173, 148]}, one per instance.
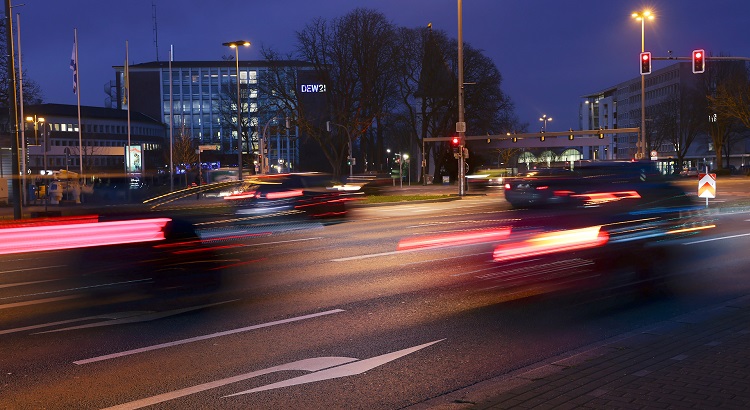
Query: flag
{"type": "Point", "coordinates": [74, 67]}
{"type": "Point", "coordinates": [127, 84]}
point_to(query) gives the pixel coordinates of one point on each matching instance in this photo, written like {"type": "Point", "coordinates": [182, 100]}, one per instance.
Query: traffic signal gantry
{"type": "Point", "coordinates": [698, 59]}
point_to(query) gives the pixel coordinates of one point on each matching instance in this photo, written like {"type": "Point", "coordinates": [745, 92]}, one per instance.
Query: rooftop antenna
{"type": "Point", "coordinates": [156, 32]}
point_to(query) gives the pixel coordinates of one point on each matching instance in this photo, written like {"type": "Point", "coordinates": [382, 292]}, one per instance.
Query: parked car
{"type": "Point", "coordinates": [689, 172]}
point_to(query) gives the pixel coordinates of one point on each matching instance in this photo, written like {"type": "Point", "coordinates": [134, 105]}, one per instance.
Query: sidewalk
{"type": "Point", "coordinates": [699, 360]}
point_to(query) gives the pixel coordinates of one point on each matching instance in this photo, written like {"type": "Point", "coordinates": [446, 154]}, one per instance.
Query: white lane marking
{"type": "Point", "coordinates": [78, 288]}
{"type": "Point", "coordinates": [34, 268]}
{"type": "Point", "coordinates": [143, 317]}
{"type": "Point", "coordinates": [10, 285]}
{"type": "Point", "coordinates": [37, 301]}
{"type": "Point", "coordinates": [323, 368]}
{"type": "Point", "coordinates": [81, 319]}
{"type": "Point", "coordinates": [349, 369]}
{"type": "Point", "coordinates": [716, 239]}
{"type": "Point", "coordinates": [287, 241]}
{"type": "Point", "coordinates": [371, 255]}
{"type": "Point", "coordinates": [311, 365]}
{"type": "Point", "coordinates": [204, 337]}
{"type": "Point", "coordinates": [377, 255]}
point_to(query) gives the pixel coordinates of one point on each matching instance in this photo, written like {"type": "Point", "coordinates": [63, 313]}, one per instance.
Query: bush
{"type": "Point", "coordinates": [722, 172]}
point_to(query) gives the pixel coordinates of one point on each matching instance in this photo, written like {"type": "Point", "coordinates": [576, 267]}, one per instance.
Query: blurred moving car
{"type": "Point", "coordinates": [607, 224]}
{"type": "Point", "coordinates": [110, 260]}
{"type": "Point", "coordinates": [313, 195]}
{"type": "Point", "coordinates": [593, 183]}
{"type": "Point", "coordinates": [487, 179]}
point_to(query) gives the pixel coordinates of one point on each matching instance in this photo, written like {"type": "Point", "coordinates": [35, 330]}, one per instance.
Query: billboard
{"type": "Point", "coordinates": [134, 159]}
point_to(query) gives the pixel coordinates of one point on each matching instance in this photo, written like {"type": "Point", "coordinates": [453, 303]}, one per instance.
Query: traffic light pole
{"type": "Point", "coordinates": [461, 125]}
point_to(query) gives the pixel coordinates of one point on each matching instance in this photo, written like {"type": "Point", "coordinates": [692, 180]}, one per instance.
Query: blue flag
{"type": "Point", "coordinates": [74, 67]}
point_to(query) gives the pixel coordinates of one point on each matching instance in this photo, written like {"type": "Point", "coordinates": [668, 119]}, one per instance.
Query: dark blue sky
{"type": "Point", "coordinates": [550, 52]}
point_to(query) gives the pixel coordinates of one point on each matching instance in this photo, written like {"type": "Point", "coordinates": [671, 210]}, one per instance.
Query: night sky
{"type": "Point", "coordinates": [549, 52]}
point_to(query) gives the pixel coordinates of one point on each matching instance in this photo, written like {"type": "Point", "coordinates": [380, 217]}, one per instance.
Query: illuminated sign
{"type": "Point", "coordinates": [134, 158]}
{"type": "Point", "coordinates": [312, 88]}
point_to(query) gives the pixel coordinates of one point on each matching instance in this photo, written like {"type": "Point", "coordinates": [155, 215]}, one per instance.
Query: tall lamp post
{"type": "Point", "coordinates": [642, 16]}
{"type": "Point", "coordinates": [36, 121]}
{"type": "Point", "coordinates": [236, 46]}
{"type": "Point", "coordinates": [544, 120]}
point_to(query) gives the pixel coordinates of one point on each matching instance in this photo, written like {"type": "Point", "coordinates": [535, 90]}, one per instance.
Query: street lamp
{"type": "Point", "coordinates": [236, 45]}
{"type": "Point", "coordinates": [544, 119]}
{"type": "Point", "coordinates": [642, 16]}
{"type": "Point", "coordinates": [36, 121]}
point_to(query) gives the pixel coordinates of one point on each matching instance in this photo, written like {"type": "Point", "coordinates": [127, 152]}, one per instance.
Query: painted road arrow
{"type": "Point", "coordinates": [323, 368]}
{"type": "Point", "coordinates": [349, 369]}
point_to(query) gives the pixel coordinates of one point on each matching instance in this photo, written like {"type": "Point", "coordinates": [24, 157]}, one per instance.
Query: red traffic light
{"type": "Point", "coordinates": [646, 63]}
{"type": "Point", "coordinates": [699, 61]}
{"type": "Point", "coordinates": [455, 141]}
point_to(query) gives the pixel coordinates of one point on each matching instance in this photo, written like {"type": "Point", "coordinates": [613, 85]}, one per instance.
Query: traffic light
{"type": "Point", "coordinates": [570, 136]}
{"type": "Point", "coordinates": [646, 63]}
{"type": "Point", "coordinates": [541, 138]}
{"type": "Point", "coordinates": [455, 143]}
{"type": "Point", "coordinates": [601, 134]}
{"type": "Point", "coordinates": [699, 61]}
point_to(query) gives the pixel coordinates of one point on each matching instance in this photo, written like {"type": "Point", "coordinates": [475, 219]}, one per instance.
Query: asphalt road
{"type": "Point", "coordinates": [322, 315]}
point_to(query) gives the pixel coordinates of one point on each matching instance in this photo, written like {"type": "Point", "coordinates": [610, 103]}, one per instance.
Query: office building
{"type": "Point", "coordinates": [201, 102]}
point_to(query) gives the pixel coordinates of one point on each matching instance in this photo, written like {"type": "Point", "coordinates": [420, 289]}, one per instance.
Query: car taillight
{"type": "Point", "coordinates": [507, 186]}
{"type": "Point", "coordinates": [552, 242]}
{"type": "Point", "coordinates": [284, 194]}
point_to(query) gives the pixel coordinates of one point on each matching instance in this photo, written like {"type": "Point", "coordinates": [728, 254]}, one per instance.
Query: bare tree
{"type": "Point", "coordinates": [32, 94]}
{"type": "Point", "coordinates": [679, 120]}
{"type": "Point", "coordinates": [722, 79]}
{"type": "Point", "coordinates": [184, 154]}
{"type": "Point", "coordinates": [351, 56]}
{"type": "Point", "coordinates": [732, 98]}
{"type": "Point", "coordinates": [427, 87]}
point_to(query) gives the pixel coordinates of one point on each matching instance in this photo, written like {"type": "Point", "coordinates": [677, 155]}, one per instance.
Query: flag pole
{"type": "Point", "coordinates": [78, 94]}
{"type": "Point", "coordinates": [22, 119]}
{"type": "Point", "coordinates": [127, 93]}
{"type": "Point", "coordinates": [171, 124]}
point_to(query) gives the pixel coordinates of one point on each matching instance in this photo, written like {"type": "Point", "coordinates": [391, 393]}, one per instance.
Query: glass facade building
{"type": "Point", "coordinates": [199, 99]}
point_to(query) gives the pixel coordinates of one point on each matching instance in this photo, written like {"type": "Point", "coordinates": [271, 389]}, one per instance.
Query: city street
{"type": "Point", "coordinates": [327, 315]}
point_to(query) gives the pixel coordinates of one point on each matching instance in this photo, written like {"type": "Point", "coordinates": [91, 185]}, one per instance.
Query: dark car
{"type": "Point", "coordinates": [312, 195]}
{"type": "Point", "coordinates": [606, 223]}
{"type": "Point", "coordinates": [107, 260]}
{"type": "Point", "coordinates": [531, 188]}
{"type": "Point", "coordinates": [594, 183]}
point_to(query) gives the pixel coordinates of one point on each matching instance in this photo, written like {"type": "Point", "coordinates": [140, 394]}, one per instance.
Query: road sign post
{"type": "Point", "coordinates": [707, 186]}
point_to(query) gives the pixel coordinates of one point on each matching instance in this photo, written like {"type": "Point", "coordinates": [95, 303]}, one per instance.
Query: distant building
{"type": "Point", "coordinates": [101, 144]}
{"type": "Point", "coordinates": [619, 106]}
{"type": "Point", "coordinates": [204, 106]}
